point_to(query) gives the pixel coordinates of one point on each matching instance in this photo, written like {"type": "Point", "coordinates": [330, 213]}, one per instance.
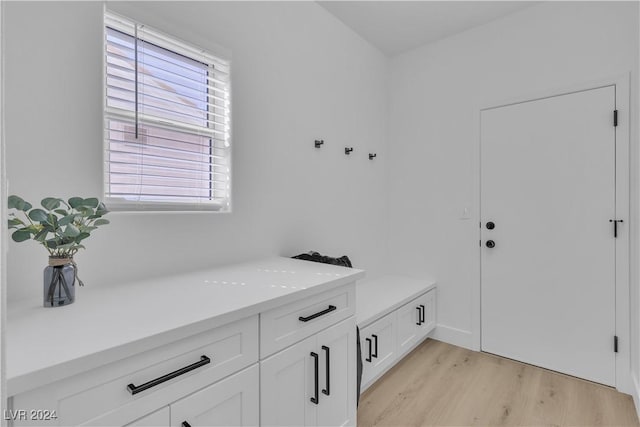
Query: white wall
{"type": "Point", "coordinates": [298, 75]}
{"type": "Point", "coordinates": [436, 92]}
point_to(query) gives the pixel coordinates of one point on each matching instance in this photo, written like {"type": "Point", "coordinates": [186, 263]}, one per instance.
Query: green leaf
{"type": "Point", "coordinates": [14, 222]}
{"type": "Point", "coordinates": [101, 222]}
{"type": "Point", "coordinates": [38, 215]}
{"type": "Point", "coordinates": [52, 243]}
{"type": "Point", "coordinates": [21, 235]}
{"type": "Point", "coordinates": [66, 220]}
{"type": "Point", "coordinates": [102, 209]}
{"type": "Point", "coordinates": [26, 206]}
{"type": "Point", "coordinates": [87, 228]}
{"type": "Point", "coordinates": [15, 202]}
{"type": "Point", "coordinates": [91, 202]}
{"type": "Point", "coordinates": [74, 202]}
{"type": "Point", "coordinates": [71, 231]}
{"type": "Point", "coordinates": [50, 203]}
{"type": "Point", "coordinates": [81, 237]}
{"type": "Point", "coordinates": [41, 236]}
{"type": "Point", "coordinates": [61, 212]}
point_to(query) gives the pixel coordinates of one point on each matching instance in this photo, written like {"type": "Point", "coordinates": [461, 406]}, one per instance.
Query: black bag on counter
{"type": "Point", "coordinates": [344, 260]}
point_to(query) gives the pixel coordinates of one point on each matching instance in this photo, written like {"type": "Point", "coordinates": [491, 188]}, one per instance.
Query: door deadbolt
{"type": "Point", "coordinates": [490, 225]}
{"type": "Point", "coordinates": [490, 244]}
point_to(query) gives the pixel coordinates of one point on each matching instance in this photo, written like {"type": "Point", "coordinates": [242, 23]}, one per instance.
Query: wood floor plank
{"type": "Point", "coordinates": [443, 385]}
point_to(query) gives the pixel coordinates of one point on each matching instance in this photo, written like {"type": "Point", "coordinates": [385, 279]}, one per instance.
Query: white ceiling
{"type": "Point", "coordinates": [398, 26]}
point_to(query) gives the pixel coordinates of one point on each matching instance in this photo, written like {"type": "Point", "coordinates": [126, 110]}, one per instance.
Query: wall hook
{"type": "Point", "coordinates": [348, 150]}
{"type": "Point", "coordinates": [372, 155]}
{"type": "Point", "coordinates": [319, 142]}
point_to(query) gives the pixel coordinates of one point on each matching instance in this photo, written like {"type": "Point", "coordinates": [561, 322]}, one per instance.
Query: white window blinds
{"type": "Point", "coordinates": [167, 122]}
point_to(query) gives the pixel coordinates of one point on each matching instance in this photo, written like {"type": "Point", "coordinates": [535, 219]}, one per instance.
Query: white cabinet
{"type": "Point", "coordinates": [378, 344]}
{"type": "Point", "coordinates": [395, 314]}
{"type": "Point", "coordinates": [312, 382]}
{"type": "Point", "coordinates": [159, 418]}
{"type": "Point", "coordinates": [233, 401]}
{"type": "Point", "coordinates": [415, 320]}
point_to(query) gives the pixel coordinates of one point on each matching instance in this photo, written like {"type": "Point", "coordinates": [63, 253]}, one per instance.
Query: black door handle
{"type": "Point", "coordinates": [133, 389]}
{"type": "Point", "coordinates": [615, 226]}
{"type": "Point", "coordinates": [368, 359]}
{"type": "Point", "coordinates": [490, 244]}
{"type": "Point", "coordinates": [318, 314]}
{"type": "Point", "coordinates": [314, 399]}
{"type": "Point", "coordinates": [185, 424]}
{"type": "Point", "coordinates": [375, 345]}
{"type": "Point", "coordinates": [421, 313]}
{"type": "Point", "coordinates": [419, 317]}
{"type": "Point", "coordinates": [327, 390]}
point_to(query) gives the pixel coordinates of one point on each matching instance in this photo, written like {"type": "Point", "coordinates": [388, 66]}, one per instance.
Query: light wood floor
{"type": "Point", "coordinates": [441, 384]}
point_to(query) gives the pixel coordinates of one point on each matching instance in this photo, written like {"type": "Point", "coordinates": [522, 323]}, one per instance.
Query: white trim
{"type": "Point", "coordinates": [3, 236]}
{"type": "Point", "coordinates": [624, 164]}
{"type": "Point", "coordinates": [636, 395]}
{"type": "Point", "coordinates": [453, 336]}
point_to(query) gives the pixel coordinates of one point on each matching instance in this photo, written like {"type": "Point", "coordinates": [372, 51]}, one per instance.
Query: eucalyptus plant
{"type": "Point", "coordinates": [60, 226]}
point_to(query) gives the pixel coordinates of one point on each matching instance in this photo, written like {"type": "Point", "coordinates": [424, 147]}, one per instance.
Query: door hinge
{"type": "Point", "coordinates": [615, 117]}
{"type": "Point", "coordinates": [615, 343]}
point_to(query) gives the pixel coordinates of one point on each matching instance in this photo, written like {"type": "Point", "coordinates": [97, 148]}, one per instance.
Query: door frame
{"type": "Point", "coordinates": [624, 165]}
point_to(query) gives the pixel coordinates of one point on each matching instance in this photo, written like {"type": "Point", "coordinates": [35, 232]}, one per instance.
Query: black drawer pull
{"type": "Point", "coordinates": [327, 390]}
{"type": "Point", "coordinates": [314, 399]}
{"type": "Point", "coordinates": [375, 345]}
{"type": "Point", "coordinates": [419, 316]}
{"type": "Point", "coordinates": [368, 359]}
{"type": "Point", "coordinates": [318, 314]}
{"type": "Point", "coordinates": [421, 313]}
{"type": "Point", "coordinates": [185, 424]}
{"type": "Point", "coordinates": [204, 360]}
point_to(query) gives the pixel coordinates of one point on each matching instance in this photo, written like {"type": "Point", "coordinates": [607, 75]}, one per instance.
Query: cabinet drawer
{"type": "Point", "coordinates": [102, 396]}
{"type": "Point", "coordinates": [286, 325]}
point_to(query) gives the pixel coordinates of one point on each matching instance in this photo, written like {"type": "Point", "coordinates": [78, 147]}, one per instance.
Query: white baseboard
{"type": "Point", "coordinates": [636, 394]}
{"type": "Point", "coordinates": [453, 336]}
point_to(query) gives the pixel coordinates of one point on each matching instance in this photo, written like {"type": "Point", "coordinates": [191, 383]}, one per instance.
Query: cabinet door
{"type": "Point", "coordinates": [287, 384]}
{"type": "Point", "coordinates": [233, 401]}
{"type": "Point", "coordinates": [159, 418]}
{"type": "Point", "coordinates": [378, 342]}
{"type": "Point", "coordinates": [415, 320]}
{"type": "Point", "coordinates": [337, 347]}
{"type": "Point", "coordinates": [409, 321]}
{"type": "Point", "coordinates": [428, 300]}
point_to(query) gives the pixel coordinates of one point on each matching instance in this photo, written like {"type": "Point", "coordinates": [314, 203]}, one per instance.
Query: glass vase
{"type": "Point", "coordinates": [59, 282]}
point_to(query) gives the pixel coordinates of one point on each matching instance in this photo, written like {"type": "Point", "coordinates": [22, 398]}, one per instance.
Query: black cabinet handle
{"type": "Point", "coordinates": [314, 399]}
{"type": "Point", "coordinates": [421, 313]}
{"type": "Point", "coordinates": [327, 390]}
{"type": "Point", "coordinates": [419, 322]}
{"type": "Point", "coordinates": [368, 359]}
{"type": "Point", "coordinates": [375, 345]}
{"type": "Point", "coordinates": [185, 424]}
{"type": "Point", "coordinates": [318, 314]}
{"type": "Point", "coordinates": [204, 360]}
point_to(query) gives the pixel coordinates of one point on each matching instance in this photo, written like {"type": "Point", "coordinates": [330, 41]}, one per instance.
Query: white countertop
{"type": "Point", "coordinates": [108, 323]}
{"type": "Point", "coordinates": [377, 297]}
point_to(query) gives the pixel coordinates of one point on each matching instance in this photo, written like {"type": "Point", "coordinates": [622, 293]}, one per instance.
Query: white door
{"type": "Point", "coordinates": [337, 345]}
{"type": "Point", "coordinates": [233, 401]}
{"type": "Point", "coordinates": [287, 384]}
{"type": "Point", "coordinates": [548, 185]}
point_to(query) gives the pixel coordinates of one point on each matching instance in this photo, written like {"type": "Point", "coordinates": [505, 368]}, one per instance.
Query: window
{"type": "Point", "coordinates": [167, 122]}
